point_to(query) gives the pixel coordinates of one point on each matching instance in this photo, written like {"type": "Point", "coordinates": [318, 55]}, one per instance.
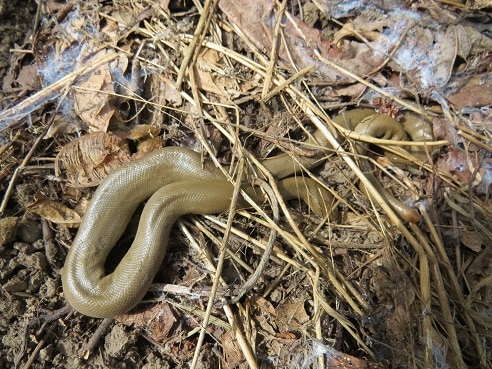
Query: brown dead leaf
{"type": "Point", "coordinates": [252, 17]}
{"type": "Point", "coordinates": [472, 239]}
{"type": "Point", "coordinates": [111, 29]}
{"type": "Point", "coordinates": [93, 96]}
{"type": "Point", "coordinates": [61, 126]}
{"type": "Point", "coordinates": [92, 100]}
{"type": "Point", "coordinates": [125, 17]}
{"type": "Point", "coordinates": [90, 158]}
{"type": "Point", "coordinates": [148, 146]}
{"type": "Point", "coordinates": [291, 316]}
{"type": "Point", "coordinates": [211, 75]}
{"type": "Point", "coordinates": [142, 132]}
{"type": "Point", "coordinates": [54, 211]}
{"type": "Point", "coordinates": [276, 126]}
{"type": "Point", "coordinates": [469, 167]}
{"type": "Point", "coordinates": [263, 304]}
{"type": "Point", "coordinates": [455, 162]}
{"type": "Point", "coordinates": [426, 55]}
{"type": "Point", "coordinates": [265, 315]}
{"type": "Point", "coordinates": [82, 205]}
{"type": "Point", "coordinates": [286, 336]}
{"type": "Point", "coordinates": [480, 268]}
{"type": "Point", "coordinates": [348, 31]}
{"type": "Point", "coordinates": [471, 41]}
{"type": "Point", "coordinates": [476, 94]}
{"type": "Point", "coordinates": [28, 78]}
{"type": "Point", "coordinates": [482, 118]}
{"type": "Point", "coordinates": [169, 93]}
{"type": "Point", "coordinates": [354, 90]}
{"type": "Point", "coordinates": [156, 321]}
{"type": "Point", "coordinates": [256, 20]}
{"type": "Point", "coordinates": [443, 130]}
{"type": "Point", "coordinates": [161, 92]}
{"type": "Point", "coordinates": [233, 355]}
{"type": "Point", "coordinates": [183, 351]}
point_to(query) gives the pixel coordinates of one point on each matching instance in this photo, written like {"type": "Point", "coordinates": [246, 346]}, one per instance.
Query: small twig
{"type": "Point", "coordinates": [253, 279]}
{"type": "Point", "coordinates": [17, 171]}
{"type": "Point", "coordinates": [198, 37]}
{"type": "Point", "coordinates": [89, 347]}
{"type": "Point", "coordinates": [274, 50]}
{"type": "Point", "coordinates": [34, 353]}
{"type": "Point", "coordinates": [474, 140]}
{"type": "Point", "coordinates": [287, 82]}
{"type": "Point", "coordinates": [200, 313]}
{"type": "Point", "coordinates": [67, 310]}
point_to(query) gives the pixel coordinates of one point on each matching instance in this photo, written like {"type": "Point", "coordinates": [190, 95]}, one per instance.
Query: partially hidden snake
{"type": "Point", "coordinates": [176, 181]}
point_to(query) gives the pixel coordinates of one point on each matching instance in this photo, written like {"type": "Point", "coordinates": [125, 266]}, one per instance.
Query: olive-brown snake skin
{"type": "Point", "coordinates": [177, 182]}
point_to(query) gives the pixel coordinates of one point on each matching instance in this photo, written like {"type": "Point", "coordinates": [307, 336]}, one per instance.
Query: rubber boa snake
{"type": "Point", "coordinates": [176, 181]}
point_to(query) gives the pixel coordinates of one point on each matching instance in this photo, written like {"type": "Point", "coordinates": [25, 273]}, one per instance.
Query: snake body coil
{"type": "Point", "coordinates": [177, 182]}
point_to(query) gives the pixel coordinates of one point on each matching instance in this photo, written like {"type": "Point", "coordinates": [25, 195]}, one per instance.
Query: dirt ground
{"type": "Point", "coordinates": [88, 86]}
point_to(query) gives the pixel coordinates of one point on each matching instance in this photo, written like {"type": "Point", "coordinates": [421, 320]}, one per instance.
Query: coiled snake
{"type": "Point", "coordinates": [177, 182]}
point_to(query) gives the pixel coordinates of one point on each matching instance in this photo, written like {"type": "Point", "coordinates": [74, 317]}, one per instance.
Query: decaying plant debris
{"type": "Point", "coordinates": [101, 83]}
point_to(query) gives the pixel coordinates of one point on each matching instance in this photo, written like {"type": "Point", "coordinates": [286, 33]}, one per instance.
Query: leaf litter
{"type": "Point", "coordinates": [122, 79]}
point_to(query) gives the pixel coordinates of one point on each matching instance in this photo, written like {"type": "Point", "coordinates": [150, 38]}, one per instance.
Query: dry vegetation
{"type": "Point", "coordinates": [102, 83]}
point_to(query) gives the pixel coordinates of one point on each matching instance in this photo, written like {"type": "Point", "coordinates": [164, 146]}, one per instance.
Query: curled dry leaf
{"type": "Point", "coordinates": [54, 211]}
{"type": "Point", "coordinates": [348, 31]}
{"type": "Point", "coordinates": [89, 159]}
{"type": "Point", "coordinates": [92, 97]}
{"type": "Point", "coordinates": [147, 137]}
{"type": "Point", "coordinates": [92, 100]}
